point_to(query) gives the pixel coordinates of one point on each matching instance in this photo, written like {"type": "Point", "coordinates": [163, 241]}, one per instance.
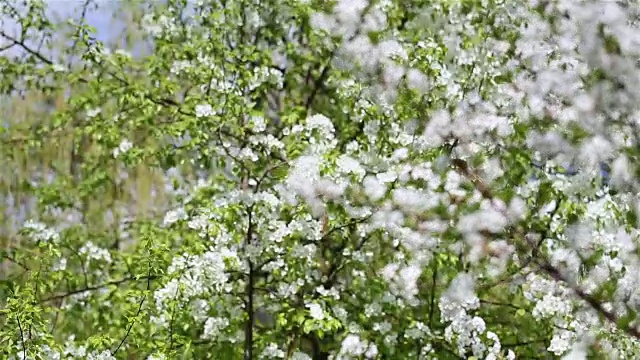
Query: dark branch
{"type": "Point", "coordinates": [96, 287]}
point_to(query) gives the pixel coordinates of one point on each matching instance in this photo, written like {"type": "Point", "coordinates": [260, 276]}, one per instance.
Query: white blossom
{"type": "Point", "coordinates": [125, 146]}
{"type": "Point", "coordinates": [315, 310]}
{"type": "Point", "coordinates": [204, 110]}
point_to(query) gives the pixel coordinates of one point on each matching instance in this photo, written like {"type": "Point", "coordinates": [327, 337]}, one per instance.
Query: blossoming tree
{"type": "Point", "coordinates": [375, 179]}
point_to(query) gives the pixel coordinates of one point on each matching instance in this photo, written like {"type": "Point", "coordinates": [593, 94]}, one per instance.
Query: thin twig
{"type": "Point", "coordinates": [248, 334]}
{"type": "Point", "coordinates": [94, 287]}
{"type": "Point", "coordinates": [24, 347]}
{"type": "Point", "coordinates": [144, 297]}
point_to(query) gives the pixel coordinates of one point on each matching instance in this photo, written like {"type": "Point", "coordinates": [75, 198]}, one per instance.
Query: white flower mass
{"type": "Point", "coordinates": [354, 179]}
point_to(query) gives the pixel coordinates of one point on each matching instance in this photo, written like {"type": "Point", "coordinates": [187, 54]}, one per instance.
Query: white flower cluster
{"type": "Point", "coordinates": [213, 326]}
{"type": "Point", "coordinates": [173, 216]}
{"type": "Point", "coordinates": [70, 351]}
{"type": "Point", "coordinates": [204, 110]}
{"type": "Point", "coordinates": [93, 252]}
{"type": "Point", "coordinates": [40, 232]}
{"type": "Point", "coordinates": [467, 330]}
{"type": "Point", "coordinates": [125, 146]}
{"type": "Point", "coordinates": [355, 347]}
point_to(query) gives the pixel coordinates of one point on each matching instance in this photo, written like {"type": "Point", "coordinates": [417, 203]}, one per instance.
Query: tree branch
{"type": "Point", "coordinates": [96, 287]}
